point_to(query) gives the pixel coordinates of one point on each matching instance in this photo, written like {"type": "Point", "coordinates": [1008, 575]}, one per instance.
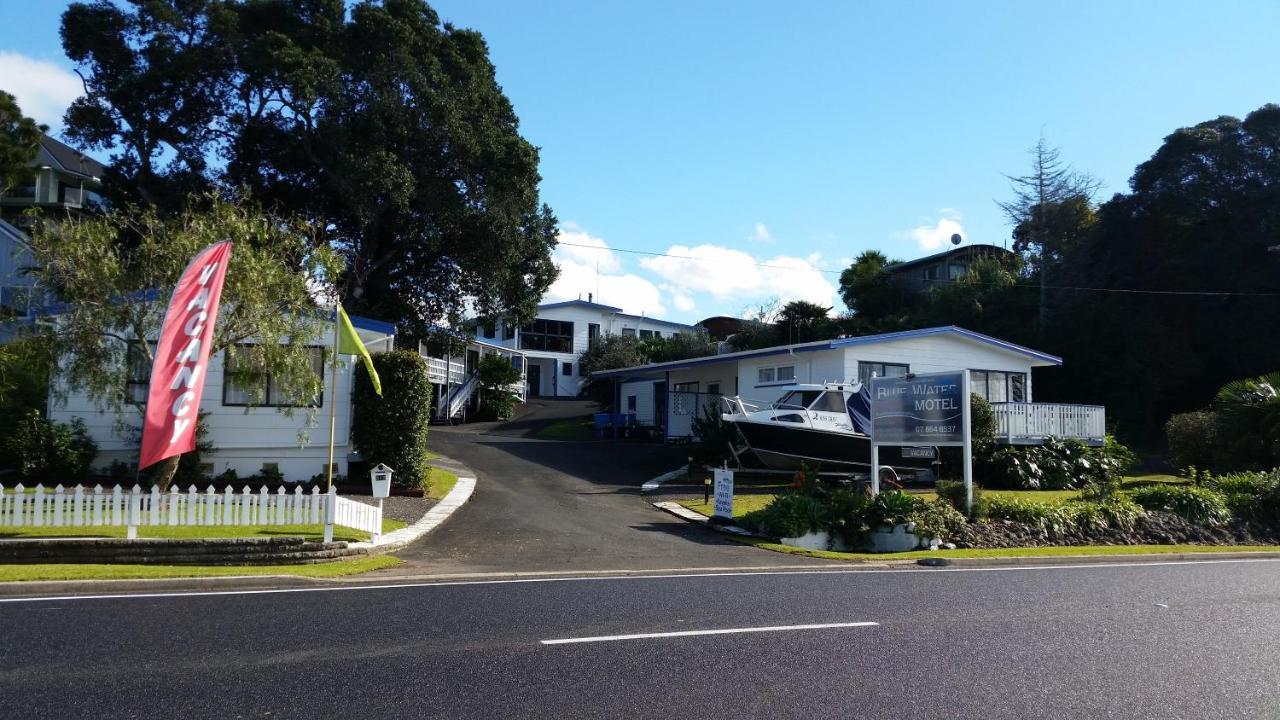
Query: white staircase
{"type": "Point", "coordinates": [461, 394]}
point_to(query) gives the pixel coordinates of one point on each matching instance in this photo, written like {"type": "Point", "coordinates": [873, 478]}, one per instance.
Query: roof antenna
{"type": "Point", "coordinates": [590, 297]}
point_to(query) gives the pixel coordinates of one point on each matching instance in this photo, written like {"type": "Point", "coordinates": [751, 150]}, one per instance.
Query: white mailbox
{"type": "Point", "coordinates": [381, 477]}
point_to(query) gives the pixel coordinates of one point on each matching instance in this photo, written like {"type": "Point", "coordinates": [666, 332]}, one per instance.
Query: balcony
{"type": "Point", "coordinates": [1031, 423]}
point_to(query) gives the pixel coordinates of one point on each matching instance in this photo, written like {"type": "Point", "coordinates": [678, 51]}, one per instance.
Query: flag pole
{"type": "Point", "coordinates": [333, 394]}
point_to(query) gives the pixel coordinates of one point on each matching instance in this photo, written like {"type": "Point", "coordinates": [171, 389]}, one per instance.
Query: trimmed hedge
{"type": "Point", "coordinates": [1198, 505]}
{"type": "Point", "coordinates": [392, 429]}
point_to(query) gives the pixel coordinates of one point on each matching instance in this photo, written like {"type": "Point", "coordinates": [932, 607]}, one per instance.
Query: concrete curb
{"type": "Point", "coordinates": [1042, 560]}
{"type": "Point", "coordinates": [111, 587]}
{"type": "Point", "coordinates": [663, 479]}
{"type": "Point", "coordinates": [685, 513]}
{"type": "Point", "coordinates": [439, 512]}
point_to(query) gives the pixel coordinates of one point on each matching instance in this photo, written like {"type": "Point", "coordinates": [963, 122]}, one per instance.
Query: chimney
{"type": "Point", "coordinates": [589, 297]}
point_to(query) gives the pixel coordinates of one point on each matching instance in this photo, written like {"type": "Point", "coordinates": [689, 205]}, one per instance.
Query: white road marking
{"type": "Point", "coordinates": [604, 578]}
{"type": "Point", "coordinates": [691, 633]}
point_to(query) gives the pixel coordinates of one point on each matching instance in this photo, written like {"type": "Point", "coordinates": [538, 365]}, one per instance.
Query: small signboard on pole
{"type": "Point", "coordinates": [723, 495]}
{"type": "Point", "coordinates": [916, 410]}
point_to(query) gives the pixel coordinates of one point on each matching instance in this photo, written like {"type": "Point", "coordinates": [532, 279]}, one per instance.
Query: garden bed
{"type": "Point", "coordinates": [1156, 528]}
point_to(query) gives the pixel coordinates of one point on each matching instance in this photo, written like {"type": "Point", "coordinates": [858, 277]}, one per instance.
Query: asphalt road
{"type": "Point", "coordinates": [548, 506]}
{"type": "Point", "coordinates": [1165, 641]}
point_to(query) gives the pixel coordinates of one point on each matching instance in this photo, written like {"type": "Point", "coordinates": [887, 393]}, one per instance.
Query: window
{"type": "Point", "coordinates": [765, 375]}
{"type": "Point", "coordinates": [787, 373]}
{"type": "Point", "coordinates": [508, 330]}
{"type": "Point", "coordinates": [490, 329]}
{"type": "Point", "coordinates": [781, 374]}
{"type": "Point", "coordinates": [261, 388]}
{"type": "Point", "coordinates": [593, 334]}
{"type": "Point", "coordinates": [686, 387]}
{"type": "Point", "coordinates": [566, 369]}
{"type": "Point", "coordinates": [549, 335]}
{"type": "Point", "coordinates": [628, 332]}
{"type": "Point", "coordinates": [866, 370]}
{"type": "Point", "coordinates": [631, 403]}
{"type": "Point", "coordinates": [955, 272]}
{"type": "Point", "coordinates": [138, 383]}
{"type": "Point", "coordinates": [829, 402]}
{"type": "Point", "coordinates": [799, 398]}
{"type": "Point", "coordinates": [713, 388]}
{"type": "Point", "coordinates": [646, 334]}
{"type": "Point", "coordinates": [998, 386]}
{"type": "Point", "coordinates": [931, 272]}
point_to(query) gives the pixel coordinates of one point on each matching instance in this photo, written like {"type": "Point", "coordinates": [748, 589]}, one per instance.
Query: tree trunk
{"type": "Point", "coordinates": [165, 471]}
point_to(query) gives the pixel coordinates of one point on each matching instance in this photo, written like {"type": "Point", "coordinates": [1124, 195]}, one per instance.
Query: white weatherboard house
{"type": "Point", "coordinates": [244, 438]}
{"type": "Point", "coordinates": [546, 349]}
{"type": "Point", "coordinates": [669, 395]}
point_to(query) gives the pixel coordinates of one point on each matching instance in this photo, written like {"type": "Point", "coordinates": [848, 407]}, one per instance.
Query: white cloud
{"type": "Point", "coordinates": [932, 237]}
{"type": "Point", "coordinates": [761, 234]}
{"type": "Point", "coordinates": [44, 89]}
{"type": "Point", "coordinates": [588, 266]}
{"type": "Point", "coordinates": [727, 274]}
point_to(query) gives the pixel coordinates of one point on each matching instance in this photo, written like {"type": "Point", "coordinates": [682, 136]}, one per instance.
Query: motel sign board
{"type": "Point", "coordinates": [920, 410]}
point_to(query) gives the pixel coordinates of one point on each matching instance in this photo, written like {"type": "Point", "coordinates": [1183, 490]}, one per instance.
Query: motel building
{"type": "Point", "coordinates": [669, 395]}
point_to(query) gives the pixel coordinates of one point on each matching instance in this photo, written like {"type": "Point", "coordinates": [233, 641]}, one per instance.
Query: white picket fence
{"type": "Point", "coordinates": [79, 507]}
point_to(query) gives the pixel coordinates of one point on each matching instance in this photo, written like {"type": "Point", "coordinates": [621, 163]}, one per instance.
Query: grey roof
{"type": "Point", "coordinates": [962, 250]}
{"type": "Point", "coordinates": [70, 159]}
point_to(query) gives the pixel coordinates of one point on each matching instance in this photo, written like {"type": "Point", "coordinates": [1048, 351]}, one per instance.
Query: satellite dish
{"type": "Point", "coordinates": [955, 239]}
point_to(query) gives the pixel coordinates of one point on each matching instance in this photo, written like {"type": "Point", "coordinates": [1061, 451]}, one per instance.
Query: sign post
{"type": "Point", "coordinates": [724, 496]}
{"type": "Point", "coordinates": [930, 409]}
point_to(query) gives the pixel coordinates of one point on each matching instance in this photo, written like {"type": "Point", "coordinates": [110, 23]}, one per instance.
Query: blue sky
{"type": "Point", "coordinates": [744, 132]}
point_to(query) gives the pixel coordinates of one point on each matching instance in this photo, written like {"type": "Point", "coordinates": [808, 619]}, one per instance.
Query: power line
{"type": "Point", "coordinates": [1129, 291]}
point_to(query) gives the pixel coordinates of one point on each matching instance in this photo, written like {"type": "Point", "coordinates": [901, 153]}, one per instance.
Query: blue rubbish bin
{"type": "Point", "coordinates": [603, 423]}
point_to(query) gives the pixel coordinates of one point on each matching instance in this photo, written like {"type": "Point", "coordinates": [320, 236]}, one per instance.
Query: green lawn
{"type": "Point", "coordinates": [27, 573]}
{"type": "Point", "coordinates": [311, 532]}
{"type": "Point", "coordinates": [570, 429]}
{"type": "Point", "coordinates": [745, 503]}
{"type": "Point", "coordinates": [438, 482]}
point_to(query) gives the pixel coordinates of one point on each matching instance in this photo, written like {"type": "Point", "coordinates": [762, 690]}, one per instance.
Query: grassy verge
{"type": "Point", "coordinates": [745, 503]}
{"type": "Point", "coordinates": [28, 573]}
{"type": "Point", "coordinates": [311, 532]}
{"type": "Point", "coordinates": [1057, 551]}
{"type": "Point", "coordinates": [570, 429]}
{"type": "Point", "coordinates": [438, 482]}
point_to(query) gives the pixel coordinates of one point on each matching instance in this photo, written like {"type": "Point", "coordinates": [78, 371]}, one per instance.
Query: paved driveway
{"type": "Point", "coordinates": [567, 506]}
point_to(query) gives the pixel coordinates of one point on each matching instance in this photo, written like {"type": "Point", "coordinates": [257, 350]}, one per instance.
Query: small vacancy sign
{"type": "Point", "coordinates": [724, 495]}
{"type": "Point", "coordinates": [922, 410]}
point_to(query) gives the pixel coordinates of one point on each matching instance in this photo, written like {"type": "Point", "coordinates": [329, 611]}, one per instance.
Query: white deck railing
{"type": "Point", "coordinates": [1023, 423]}
{"type": "Point", "coordinates": [442, 371]}
{"type": "Point", "coordinates": [80, 507]}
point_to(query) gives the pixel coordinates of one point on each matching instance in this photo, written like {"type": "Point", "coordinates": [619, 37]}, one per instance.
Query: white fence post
{"type": "Point", "coordinates": [330, 507]}
{"type": "Point", "coordinates": [134, 510]}
{"type": "Point", "coordinates": [37, 506]}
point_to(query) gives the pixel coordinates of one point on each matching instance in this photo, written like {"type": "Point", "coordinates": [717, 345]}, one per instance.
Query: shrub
{"type": "Point", "coordinates": [714, 436]}
{"type": "Point", "coordinates": [497, 405]}
{"type": "Point", "coordinates": [43, 450]}
{"type": "Point", "coordinates": [1058, 465]}
{"type": "Point", "coordinates": [890, 508]}
{"type": "Point", "coordinates": [790, 515]}
{"type": "Point", "coordinates": [1251, 496]}
{"type": "Point", "coordinates": [1025, 511]}
{"type": "Point", "coordinates": [937, 519]}
{"type": "Point", "coordinates": [952, 491]}
{"type": "Point", "coordinates": [982, 425]}
{"type": "Point", "coordinates": [1198, 505]}
{"type": "Point", "coordinates": [847, 515]}
{"type": "Point", "coordinates": [1193, 439]}
{"type": "Point", "coordinates": [1117, 512]}
{"type": "Point", "coordinates": [392, 429]}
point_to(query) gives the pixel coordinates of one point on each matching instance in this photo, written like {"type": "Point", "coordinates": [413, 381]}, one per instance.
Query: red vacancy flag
{"type": "Point", "coordinates": [182, 355]}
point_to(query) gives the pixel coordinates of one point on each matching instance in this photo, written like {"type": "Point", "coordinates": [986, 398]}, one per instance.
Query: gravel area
{"type": "Point", "coordinates": [405, 509]}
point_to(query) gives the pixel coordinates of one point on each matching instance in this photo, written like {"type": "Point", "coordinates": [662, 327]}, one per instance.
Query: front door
{"type": "Point", "coordinates": [535, 380]}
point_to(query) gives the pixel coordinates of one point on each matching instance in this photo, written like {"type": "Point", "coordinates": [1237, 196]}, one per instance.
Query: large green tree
{"type": "Point", "coordinates": [871, 294]}
{"type": "Point", "coordinates": [1192, 239]}
{"type": "Point", "coordinates": [379, 123]}
{"type": "Point", "coordinates": [112, 309]}
{"type": "Point", "coordinates": [19, 143]}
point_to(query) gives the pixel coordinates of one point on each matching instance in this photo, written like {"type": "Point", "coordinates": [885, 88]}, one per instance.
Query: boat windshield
{"type": "Point", "coordinates": [799, 398]}
{"type": "Point", "coordinates": [830, 402]}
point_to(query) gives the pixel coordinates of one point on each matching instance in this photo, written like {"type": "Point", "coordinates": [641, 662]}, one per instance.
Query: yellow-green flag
{"type": "Point", "coordinates": [349, 343]}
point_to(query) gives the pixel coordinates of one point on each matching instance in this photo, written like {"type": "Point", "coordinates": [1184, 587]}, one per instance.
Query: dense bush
{"type": "Point", "coordinates": [936, 520]}
{"type": "Point", "coordinates": [714, 438]}
{"type": "Point", "coordinates": [392, 428]}
{"type": "Point", "coordinates": [790, 515]}
{"type": "Point", "coordinates": [42, 450]}
{"type": "Point", "coordinates": [1252, 496]}
{"type": "Point", "coordinates": [1193, 439]}
{"type": "Point", "coordinates": [952, 491]}
{"type": "Point", "coordinates": [1118, 512]}
{"type": "Point", "coordinates": [1198, 505]}
{"type": "Point", "coordinates": [1057, 465]}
